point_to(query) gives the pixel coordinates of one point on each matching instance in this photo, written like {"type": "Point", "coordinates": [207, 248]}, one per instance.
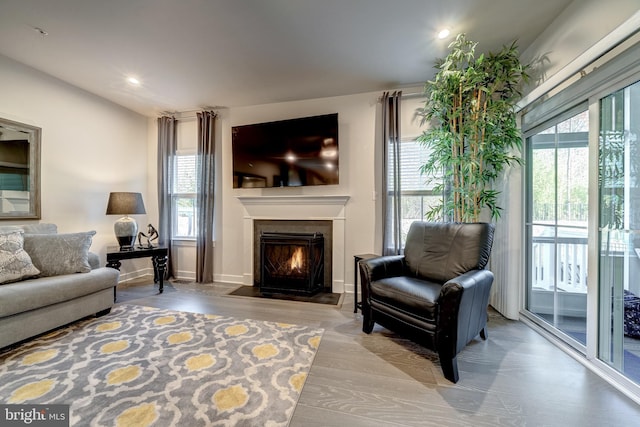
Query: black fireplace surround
{"type": "Point", "coordinates": [291, 263]}
{"type": "Point", "coordinates": [294, 226]}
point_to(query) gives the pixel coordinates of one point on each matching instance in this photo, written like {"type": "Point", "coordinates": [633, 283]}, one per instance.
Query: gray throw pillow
{"type": "Point", "coordinates": [15, 263]}
{"type": "Point", "coordinates": [56, 254]}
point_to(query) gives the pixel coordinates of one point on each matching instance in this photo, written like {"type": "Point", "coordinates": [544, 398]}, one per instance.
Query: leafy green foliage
{"type": "Point", "coordinates": [611, 179]}
{"type": "Point", "coordinates": [473, 133]}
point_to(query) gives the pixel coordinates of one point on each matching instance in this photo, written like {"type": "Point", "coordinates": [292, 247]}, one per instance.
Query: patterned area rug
{"type": "Point", "coordinates": [140, 366]}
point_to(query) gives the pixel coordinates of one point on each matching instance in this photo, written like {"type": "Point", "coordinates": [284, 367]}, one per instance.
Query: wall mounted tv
{"type": "Point", "coordinates": [286, 153]}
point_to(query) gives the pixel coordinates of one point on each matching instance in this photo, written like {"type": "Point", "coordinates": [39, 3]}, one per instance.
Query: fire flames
{"type": "Point", "coordinates": [296, 261]}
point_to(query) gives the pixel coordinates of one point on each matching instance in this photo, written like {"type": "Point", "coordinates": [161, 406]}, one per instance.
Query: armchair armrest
{"type": "Point", "coordinates": [463, 303]}
{"type": "Point", "coordinates": [379, 268]}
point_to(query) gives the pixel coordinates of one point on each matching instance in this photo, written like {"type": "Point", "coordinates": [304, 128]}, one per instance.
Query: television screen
{"type": "Point", "coordinates": [286, 153]}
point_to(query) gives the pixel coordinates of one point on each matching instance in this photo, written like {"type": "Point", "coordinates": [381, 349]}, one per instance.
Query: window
{"type": "Point", "coordinates": [416, 197]}
{"type": "Point", "coordinates": [184, 197]}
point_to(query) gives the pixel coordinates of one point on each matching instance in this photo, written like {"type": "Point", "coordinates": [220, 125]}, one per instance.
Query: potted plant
{"type": "Point", "coordinates": [473, 133]}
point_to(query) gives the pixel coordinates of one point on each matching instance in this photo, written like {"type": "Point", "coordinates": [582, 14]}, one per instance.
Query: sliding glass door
{"type": "Point", "coordinates": [619, 231]}
{"type": "Point", "coordinates": [558, 220]}
{"type": "Point", "coordinates": [582, 215]}
{"type": "Point", "coordinates": [557, 165]}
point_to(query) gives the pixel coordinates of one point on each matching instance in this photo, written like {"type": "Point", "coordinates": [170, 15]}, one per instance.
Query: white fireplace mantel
{"type": "Point", "coordinates": [295, 199]}
{"type": "Point", "coordinates": [261, 204]}
{"type": "Point", "coordinates": [297, 207]}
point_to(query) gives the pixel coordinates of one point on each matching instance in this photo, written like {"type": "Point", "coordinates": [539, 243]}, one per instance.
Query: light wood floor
{"type": "Point", "coordinates": [515, 378]}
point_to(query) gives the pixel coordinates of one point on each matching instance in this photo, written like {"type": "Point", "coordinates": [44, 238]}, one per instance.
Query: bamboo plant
{"type": "Point", "coordinates": [473, 133]}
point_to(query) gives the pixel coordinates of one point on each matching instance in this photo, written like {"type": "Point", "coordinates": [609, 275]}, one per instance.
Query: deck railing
{"type": "Point", "coordinates": [569, 272]}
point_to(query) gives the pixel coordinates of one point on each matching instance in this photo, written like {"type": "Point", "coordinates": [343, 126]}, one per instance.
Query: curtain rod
{"type": "Point", "coordinates": [413, 95]}
{"type": "Point", "coordinates": [407, 95]}
{"type": "Point", "coordinates": [190, 114]}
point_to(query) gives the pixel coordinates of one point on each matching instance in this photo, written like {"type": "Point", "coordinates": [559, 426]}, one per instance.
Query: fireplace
{"type": "Point", "coordinates": [303, 227]}
{"type": "Point", "coordinates": [325, 214]}
{"type": "Point", "coordinates": [291, 263]}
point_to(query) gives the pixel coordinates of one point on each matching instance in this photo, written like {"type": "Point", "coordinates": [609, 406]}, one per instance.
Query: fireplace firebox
{"type": "Point", "coordinates": [291, 263]}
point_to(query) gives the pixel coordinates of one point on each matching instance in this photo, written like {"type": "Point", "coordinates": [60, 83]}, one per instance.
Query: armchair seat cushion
{"type": "Point", "coordinates": [412, 295]}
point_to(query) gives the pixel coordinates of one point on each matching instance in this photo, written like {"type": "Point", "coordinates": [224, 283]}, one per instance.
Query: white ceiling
{"type": "Point", "coordinates": [195, 53]}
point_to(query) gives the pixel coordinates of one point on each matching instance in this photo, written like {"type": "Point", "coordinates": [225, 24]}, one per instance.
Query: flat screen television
{"type": "Point", "coordinates": [286, 153]}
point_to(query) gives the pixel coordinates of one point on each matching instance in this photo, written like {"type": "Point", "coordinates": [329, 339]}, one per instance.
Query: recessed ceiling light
{"type": "Point", "coordinates": [133, 81]}
{"type": "Point", "coordinates": [444, 33]}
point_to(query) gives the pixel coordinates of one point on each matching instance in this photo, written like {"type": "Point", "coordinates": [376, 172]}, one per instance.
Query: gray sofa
{"type": "Point", "coordinates": [69, 285]}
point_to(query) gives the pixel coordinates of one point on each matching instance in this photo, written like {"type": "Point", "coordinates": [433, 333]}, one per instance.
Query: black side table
{"type": "Point", "coordinates": [356, 260]}
{"type": "Point", "coordinates": [158, 254]}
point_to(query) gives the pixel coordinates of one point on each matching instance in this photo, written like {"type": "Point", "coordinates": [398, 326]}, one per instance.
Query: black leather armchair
{"type": "Point", "coordinates": [437, 292]}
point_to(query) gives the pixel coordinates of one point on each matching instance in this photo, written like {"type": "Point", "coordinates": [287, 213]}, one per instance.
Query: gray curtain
{"type": "Point", "coordinates": [391, 203]}
{"type": "Point", "coordinates": [205, 200]}
{"type": "Point", "coordinates": [166, 152]}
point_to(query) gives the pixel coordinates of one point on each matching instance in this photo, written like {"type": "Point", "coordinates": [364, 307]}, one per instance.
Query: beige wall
{"type": "Point", "coordinates": [90, 147]}
{"type": "Point", "coordinates": [579, 27]}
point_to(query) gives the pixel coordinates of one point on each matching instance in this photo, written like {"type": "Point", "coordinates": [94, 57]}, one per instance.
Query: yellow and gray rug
{"type": "Point", "coordinates": [141, 366]}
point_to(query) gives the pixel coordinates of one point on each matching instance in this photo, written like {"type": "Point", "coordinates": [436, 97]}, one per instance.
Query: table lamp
{"type": "Point", "coordinates": [126, 228]}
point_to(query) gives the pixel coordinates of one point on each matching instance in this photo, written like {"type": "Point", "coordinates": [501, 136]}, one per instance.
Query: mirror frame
{"type": "Point", "coordinates": [34, 169]}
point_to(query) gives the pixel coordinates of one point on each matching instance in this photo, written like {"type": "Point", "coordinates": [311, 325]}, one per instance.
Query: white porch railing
{"type": "Point", "coordinates": [569, 273]}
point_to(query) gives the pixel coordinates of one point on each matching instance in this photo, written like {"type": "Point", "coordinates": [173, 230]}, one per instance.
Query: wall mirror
{"type": "Point", "coordinates": [19, 170]}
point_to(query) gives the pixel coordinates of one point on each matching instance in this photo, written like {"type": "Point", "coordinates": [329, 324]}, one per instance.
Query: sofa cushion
{"type": "Point", "coordinates": [56, 254]}
{"type": "Point", "coordinates": [32, 294]}
{"type": "Point", "coordinates": [15, 263]}
{"type": "Point", "coordinates": [9, 228]}
{"type": "Point", "coordinates": [442, 251]}
{"type": "Point", "coordinates": [40, 228]}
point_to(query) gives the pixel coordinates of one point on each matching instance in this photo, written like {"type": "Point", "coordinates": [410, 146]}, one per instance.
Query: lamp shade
{"type": "Point", "coordinates": [126, 228]}
{"type": "Point", "coordinates": [122, 203]}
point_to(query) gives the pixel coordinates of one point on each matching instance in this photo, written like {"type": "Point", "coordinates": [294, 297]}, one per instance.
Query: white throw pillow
{"type": "Point", "coordinates": [15, 263]}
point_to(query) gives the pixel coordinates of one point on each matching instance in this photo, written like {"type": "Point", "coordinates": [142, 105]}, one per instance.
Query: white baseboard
{"type": "Point", "coordinates": [230, 278]}
{"type": "Point", "coordinates": [185, 275]}
{"type": "Point", "coordinates": [132, 275]}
